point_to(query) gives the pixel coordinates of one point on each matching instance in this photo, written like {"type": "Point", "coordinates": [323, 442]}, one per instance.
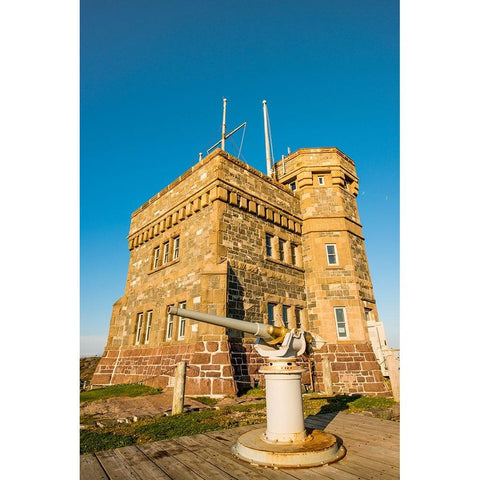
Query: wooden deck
{"type": "Point", "coordinates": [372, 452]}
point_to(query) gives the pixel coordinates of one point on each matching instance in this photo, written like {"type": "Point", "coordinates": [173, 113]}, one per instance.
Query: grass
{"type": "Point", "coordinates": [132, 390]}
{"type": "Point", "coordinates": [313, 404]}
{"type": "Point", "coordinates": [255, 392]}
{"type": "Point", "coordinates": [211, 402]}
{"type": "Point", "coordinates": [162, 428]}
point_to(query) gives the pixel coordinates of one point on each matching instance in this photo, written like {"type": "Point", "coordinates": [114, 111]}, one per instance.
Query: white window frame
{"type": "Point", "coordinates": [139, 328]}
{"type": "Point", "coordinates": [166, 252]}
{"type": "Point", "coordinates": [334, 245]}
{"type": "Point", "coordinates": [149, 326]}
{"type": "Point", "coordinates": [176, 247]}
{"type": "Point", "coordinates": [346, 335]}
{"type": "Point", "coordinates": [156, 256]}
{"type": "Point", "coordinates": [169, 329]}
{"type": "Point", "coordinates": [321, 180]}
{"type": "Point", "coordinates": [181, 322]}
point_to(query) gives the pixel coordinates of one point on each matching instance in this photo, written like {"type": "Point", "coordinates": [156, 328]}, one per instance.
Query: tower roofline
{"type": "Point", "coordinates": [303, 151]}
{"type": "Point", "coordinates": [215, 154]}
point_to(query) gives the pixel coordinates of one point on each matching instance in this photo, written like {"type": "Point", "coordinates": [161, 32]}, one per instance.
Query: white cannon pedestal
{"type": "Point", "coordinates": [285, 442]}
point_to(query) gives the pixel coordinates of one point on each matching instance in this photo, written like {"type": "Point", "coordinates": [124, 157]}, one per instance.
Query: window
{"type": "Point", "coordinates": [332, 254]}
{"type": "Point", "coordinates": [368, 314]}
{"type": "Point", "coordinates": [321, 180]}
{"type": "Point", "coordinates": [268, 243]}
{"type": "Point", "coordinates": [293, 186]}
{"type": "Point", "coordinates": [169, 326]}
{"type": "Point", "coordinates": [156, 256]}
{"type": "Point", "coordinates": [166, 246]}
{"type": "Point", "coordinates": [176, 247]}
{"type": "Point", "coordinates": [285, 309]}
{"type": "Point", "coordinates": [271, 313]}
{"type": "Point", "coordinates": [149, 326]}
{"type": "Point", "coordinates": [341, 320]}
{"type": "Point", "coordinates": [298, 317]}
{"type": "Point", "coordinates": [293, 253]}
{"type": "Point", "coordinates": [181, 322]}
{"type": "Point", "coordinates": [281, 249]}
{"type": "Point", "coordinates": [139, 328]}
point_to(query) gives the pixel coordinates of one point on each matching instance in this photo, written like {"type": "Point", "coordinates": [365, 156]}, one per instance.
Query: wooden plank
{"type": "Point", "coordinates": [364, 468]}
{"type": "Point", "coordinates": [361, 441]}
{"type": "Point", "coordinates": [115, 466]}
{"type": "Point", "coordinates": [377, 425]}
{"type": "Point", "coordinates": [204, 468]}
{"type": "Point", "coordinates": [219, 454]}
{"type": "Point", "coordinates": [90, 468]}
{"type": "Point", "coordinates": [315, 473]}
{"type": "Point", "coordinates": [366, 421]}
{"type": "Point", "coordinates": [232, 434]}
{"type": "Point", "coordinates": [359, 435]}
{"type": "Point", "coordinates": [167, 461]}
{"type": "Point", "coordinates": [371, 449]}
{"type": "Point", "coordinates": [358, 431]}
{"type": "Point", "coordinates": [356, 419]}
{"type": "Point", "coordinates": [141, 464]}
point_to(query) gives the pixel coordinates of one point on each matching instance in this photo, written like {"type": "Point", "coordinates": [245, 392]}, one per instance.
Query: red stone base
{"type": "Point", "coordinates": [353, 367]}
{"type": "Point", "coordinates": [209, 370]}
{"type": "Point", "coordinates": [222, 368]}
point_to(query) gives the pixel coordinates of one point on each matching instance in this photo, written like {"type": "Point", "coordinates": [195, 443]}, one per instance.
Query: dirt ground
{"type": "Point", "coordinates": [147, 406]}
{"type": "Point", "coordinates": [140, 407]}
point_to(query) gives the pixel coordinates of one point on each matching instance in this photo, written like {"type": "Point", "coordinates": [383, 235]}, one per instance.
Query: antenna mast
{"type": "Point", "coordinates": [267, 139]}
{"type": "Point", "coordinates": [224, 123]}
{"type": "Point", "coordinates": [224, 128]}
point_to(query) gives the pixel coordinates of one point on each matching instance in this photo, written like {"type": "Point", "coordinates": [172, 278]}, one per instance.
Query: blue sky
{"type": "Point", "coordinates": [152, 78]}
{"type": "Point", "coordinates": [151, 87]}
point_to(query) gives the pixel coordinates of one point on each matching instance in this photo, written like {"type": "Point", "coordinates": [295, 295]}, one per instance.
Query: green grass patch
{"type": "Point", "coordinates": [211, 402]}
{"type": "Point", "coordinates": [132, 390]}
{"type": "Point", "coordinates": [93, 441]}
{"type": "Point", "coordinates": [349, 403]}
{"type": "Point", "coordinates": [162, 428]}
{"type": "Point", "coordinates": [370, 403]}
{"type": "Point", "coordinates": [255, 392]}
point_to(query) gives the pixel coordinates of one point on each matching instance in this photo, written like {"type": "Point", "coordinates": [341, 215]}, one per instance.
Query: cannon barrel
{"type": "Point", "coordinates": [267, 332]}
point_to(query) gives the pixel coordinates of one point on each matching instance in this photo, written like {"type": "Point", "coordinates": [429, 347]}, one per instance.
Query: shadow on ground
{"type": "Point", "coordinates": [330, 410]}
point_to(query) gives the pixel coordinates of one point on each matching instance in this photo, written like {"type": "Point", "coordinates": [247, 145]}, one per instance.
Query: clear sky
{"type": "Point", "coordinates": [152, 78]}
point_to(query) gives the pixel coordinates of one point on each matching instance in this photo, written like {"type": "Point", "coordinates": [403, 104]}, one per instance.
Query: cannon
{"type": "Point", "coordinates": [285, 442]}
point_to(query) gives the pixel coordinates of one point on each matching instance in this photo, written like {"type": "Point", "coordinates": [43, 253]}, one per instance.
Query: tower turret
{"type": "Point", "coordinates": [337, 280]}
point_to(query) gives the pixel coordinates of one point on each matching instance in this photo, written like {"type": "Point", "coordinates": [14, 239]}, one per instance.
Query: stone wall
{"type": "Point", "coordinates": [209, 370]}
{"type": "Point", "coordinates": [353, 369]}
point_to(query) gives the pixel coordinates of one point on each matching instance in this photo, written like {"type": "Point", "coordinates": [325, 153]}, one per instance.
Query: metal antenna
{"type": "Point", "coordinates": [224, 123]}
{"type": "Point", "coordinates": [224, 128]}
{"type": "Point", "coordinates": [267, 140]}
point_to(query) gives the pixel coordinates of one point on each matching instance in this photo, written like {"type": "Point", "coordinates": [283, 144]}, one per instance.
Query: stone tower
{"type": "Point", "coordinates": [337, 277]}
{"type": "Point", "coordinates": [226, 239]}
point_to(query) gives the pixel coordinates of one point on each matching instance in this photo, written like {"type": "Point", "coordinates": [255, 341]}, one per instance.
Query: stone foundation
{"type": "Point", "coordinates": [209, 370]}
{"type": "Point", "coordinates": [222, 368]}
